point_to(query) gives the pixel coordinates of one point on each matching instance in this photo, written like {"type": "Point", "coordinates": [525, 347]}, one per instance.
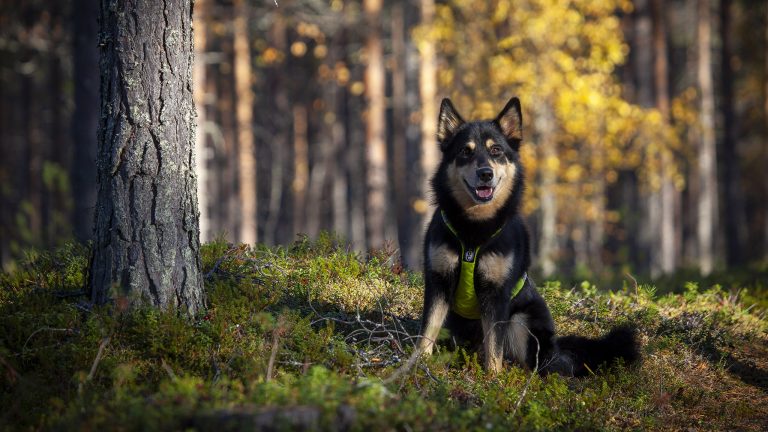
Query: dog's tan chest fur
{"type": "Point", "coordinates": [443, 259]}
{"type": "Point", "coordinates": [494, 267]}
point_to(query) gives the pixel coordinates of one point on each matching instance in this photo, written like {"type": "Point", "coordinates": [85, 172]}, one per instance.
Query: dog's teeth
{"type": "Point", "coordinates": [484, 192]}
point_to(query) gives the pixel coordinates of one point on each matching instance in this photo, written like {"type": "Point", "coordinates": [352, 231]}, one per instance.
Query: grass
{"type": "Point", "coordinates": [309, 337]}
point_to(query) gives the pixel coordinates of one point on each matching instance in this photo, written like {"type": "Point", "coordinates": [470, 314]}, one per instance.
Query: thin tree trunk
{"type": "Point", "coordinates": [733, 213]}
{"type": "Point", "coordinates": [147, 239]}
{"type": "Point", "coordinates": [355, 166]}
{"type": "Point", "coordinates": [301, 167]}
{"type": "Point", "coordinates": [198, 91]}
{"type": "Point", "coordinates": [428, 96]}
{"type": "Point", "coordinates": [337, 167]}
{"type": "Point", "coordinates": [340, 187]}
{"type": "Point", "coordinates": [53, 204]}
{"type": "Point", "coordinates": [670, 249]}
{"type": "Point", "coordinates": [544, 124]}
{"type": "Point", "coordinates": [318, 176]}
{"type": "Point", "coordinates": [246, 153]}
{"type": "Point", "coordinates": [650, 225]}
{"type": "Point", "coordinates": [597, 227]}
{"type": "Point", "coordinates": [33, 155]}
{"type": "Point", "coordinates": [376, 146]}
{"type": "Point", "coordinates": [399, 126]}
{"type": "Point", "coordinates": [280, 143]}
{"type": "Point", "coordinates": [707, 206]}
{"type": "Point", "coordinates": [226, 158]}
{"type": "Point", "coordinates": [690, 197]}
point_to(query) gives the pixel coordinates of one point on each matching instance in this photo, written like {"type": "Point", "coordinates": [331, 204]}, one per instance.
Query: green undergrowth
{"type": "Point", "coordinates": [310, 337]}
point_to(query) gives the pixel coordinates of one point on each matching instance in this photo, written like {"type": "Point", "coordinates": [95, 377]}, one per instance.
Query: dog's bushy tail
{"type": "Point", "coordinates": [586, 354]}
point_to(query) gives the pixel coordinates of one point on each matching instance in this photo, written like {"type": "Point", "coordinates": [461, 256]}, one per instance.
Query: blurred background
{"type": "Point", "coordinates": [645, 124]}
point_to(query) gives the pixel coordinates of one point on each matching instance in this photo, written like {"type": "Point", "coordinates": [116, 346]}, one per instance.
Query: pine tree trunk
{"type": "Point", "coordinates": [85, 119]}
{"type": "Point", "coordinates": [668, 195]}
{"type": "Point", "coordinates": [376, 146]}
{"type": "Point", "coordinates": [707, 206]}
{"type": "Point", "coordinates": [544, 125]}
{"type": "Point", "coordinates": [301, 167]}
{"type": "Point", "coordinates": [428, 95]}
{"type": "Point", "coordinates": [399, 127]}
{"type": "Point", "coordinates": [147, 240]}
{"type": "Point", "coordinates": [228, 208]}
{"type": "Point", "coordinates": [246, 153]}
{"type": "Point", "coordinates": [650, 225]}
{"type": "Point", "coordinates": [279, 143]}
{"type": "Point", "coordinates": [198, 91]}
{"type": "Point", "coordinates": [733, 213]}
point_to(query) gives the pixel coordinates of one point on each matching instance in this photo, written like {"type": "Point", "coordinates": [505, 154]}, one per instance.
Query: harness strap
{"type": "Point", "coordinates": [465, 300]}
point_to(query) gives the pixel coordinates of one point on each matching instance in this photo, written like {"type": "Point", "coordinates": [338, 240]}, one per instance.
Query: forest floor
{"type": "Point", "coordinates": [313, 337]}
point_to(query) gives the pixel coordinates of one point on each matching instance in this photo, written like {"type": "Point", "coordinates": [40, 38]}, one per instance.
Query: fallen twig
{"type": "Point", "coordinates": [24, 347]}
{"type": "Point", "coordinates": [96, 361]}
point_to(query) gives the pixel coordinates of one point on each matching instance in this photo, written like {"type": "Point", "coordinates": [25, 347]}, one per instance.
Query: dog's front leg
{"type": "Point", "coordinates": [493, 344]}
{"type": "Point", "coordinates": [494, 330]}
{"type": "Point", "coordinates": [435, 311]}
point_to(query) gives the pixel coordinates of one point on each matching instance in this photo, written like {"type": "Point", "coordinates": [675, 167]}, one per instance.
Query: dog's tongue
{"type": "Point", "coordinates": [484, 192]}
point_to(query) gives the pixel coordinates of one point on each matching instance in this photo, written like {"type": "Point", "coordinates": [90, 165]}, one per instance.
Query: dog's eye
{"type": "Point", "coordinates": [496, 151]}
{"type": "Point", "coordinates": [466, 151]}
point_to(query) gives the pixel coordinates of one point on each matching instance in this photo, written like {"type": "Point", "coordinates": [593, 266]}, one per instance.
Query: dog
{"type": "Point", "coordinates": [477, 255]}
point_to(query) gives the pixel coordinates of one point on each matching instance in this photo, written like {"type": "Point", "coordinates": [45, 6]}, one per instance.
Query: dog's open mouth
{"type": "Point", "coordinates": [485, 193]}
{"type": "Point", "coordinates": [481, 193]}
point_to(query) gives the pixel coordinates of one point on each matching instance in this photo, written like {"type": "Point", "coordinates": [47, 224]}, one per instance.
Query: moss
{"type": "Point", "coordinates": [307, 334]}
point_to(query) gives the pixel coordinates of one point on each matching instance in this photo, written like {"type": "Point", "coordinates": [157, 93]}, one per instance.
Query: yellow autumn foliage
{"type": "Point", "coordinates": [559, 57]}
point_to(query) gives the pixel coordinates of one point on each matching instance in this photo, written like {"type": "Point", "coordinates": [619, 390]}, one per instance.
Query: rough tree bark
{"type": "Point", "coordinates": [85, 119]}
{"type": "Point", "coordinates": [376, 146]}
{"type": "Point", "coordinates": [147, 240]}
{"type": "Point", "coordinates": [707, 206]}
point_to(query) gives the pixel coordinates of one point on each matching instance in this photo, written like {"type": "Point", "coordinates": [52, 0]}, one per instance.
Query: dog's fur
{"type": "Point", "coordinates": [478, 185]}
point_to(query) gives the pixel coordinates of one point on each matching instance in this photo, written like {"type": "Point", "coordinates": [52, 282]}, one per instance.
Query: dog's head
{"type": "Point", "coordinates": [480, 166]}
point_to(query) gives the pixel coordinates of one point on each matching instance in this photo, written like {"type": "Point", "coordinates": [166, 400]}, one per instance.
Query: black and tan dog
{"type": "Point", "coordinates": [477, 253]}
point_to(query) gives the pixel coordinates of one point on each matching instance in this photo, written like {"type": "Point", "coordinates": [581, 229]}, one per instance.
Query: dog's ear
{"type": "Point", "coordinates": [447, 122]}
{"type": "Point", "coordinates": [510, 121]}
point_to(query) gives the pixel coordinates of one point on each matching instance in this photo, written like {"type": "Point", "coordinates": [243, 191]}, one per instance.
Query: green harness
{"type": "Point", "coordinates": [465, 301]}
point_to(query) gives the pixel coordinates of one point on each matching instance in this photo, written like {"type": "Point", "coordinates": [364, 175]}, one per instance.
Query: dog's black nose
{"type": "Point", "coordinates": [484, 174]}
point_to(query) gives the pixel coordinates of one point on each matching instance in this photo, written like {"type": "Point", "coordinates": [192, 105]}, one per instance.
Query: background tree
{"type": "Point", "coordinates": [707, 168]}
{"type": "Point", "coordinates": [147, 238]}
{"type": "Point", "coordinates": [85, 118]}
{"type": "Point", "coordinates": [246, 155]}
{"type": "Point", "coordinates": [375, 146]}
